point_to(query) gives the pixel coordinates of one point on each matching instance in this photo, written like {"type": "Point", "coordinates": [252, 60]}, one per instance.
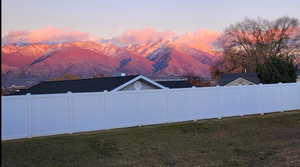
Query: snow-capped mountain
{"type": "Point", "coordinates": [146, 52]}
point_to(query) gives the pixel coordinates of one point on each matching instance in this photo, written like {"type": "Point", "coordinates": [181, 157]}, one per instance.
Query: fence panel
{"type": "Point", "coordinates": [180, 105]}
{"type": "Point", "coordinates": [49, 114]}
{"type": "Point", "coordinates": [123, 109]}
{"type": "Point", "coordinates": [152, 107]}
{"type": "Point", "coordinates": [290, 96]}
{"type": "Point", "coordinates": [271, 98]}
{"type": "Point", "coordinates": [14, 117]}
{"type": "Point", "coordinates": [88, 112]}
{"type": "Point", "coordinates": [205, 103]}
{"type": "Point", "coordinates": [251, 100]}
{"type": "Point", "coordinates": [230, 101]}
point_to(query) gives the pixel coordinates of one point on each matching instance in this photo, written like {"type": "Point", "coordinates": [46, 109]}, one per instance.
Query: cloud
{"type": "Point", "coordinates": [145, 35]}
{"type": "Point", "coordinates": [48, 34]}
{"type": "Point", "coordinates": [201, 39]}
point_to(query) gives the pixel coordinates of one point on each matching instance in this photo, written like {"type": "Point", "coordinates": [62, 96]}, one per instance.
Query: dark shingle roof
{"type": "Point", "coordinates": [80, 85]}
{"type": "Point", "coordinates": [176, 84]}
{"type": "Point", "coordinates": [226, 78]}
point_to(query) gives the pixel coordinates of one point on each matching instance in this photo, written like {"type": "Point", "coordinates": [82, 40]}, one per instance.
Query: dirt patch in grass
{"type": "Point", "coordinates": [268, 140]}
{"type": "Point", "coordinates": [289, 156]}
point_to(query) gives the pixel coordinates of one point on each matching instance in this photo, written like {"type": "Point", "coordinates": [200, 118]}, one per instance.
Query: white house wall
{"type": "Point", "coordinates": [239, 81]}
{"type": "Point", "coordinates": [144, 86]}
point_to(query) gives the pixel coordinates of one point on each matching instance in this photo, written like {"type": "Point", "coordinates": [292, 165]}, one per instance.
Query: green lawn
{"type": "Point", "coordinates": [269, 140]}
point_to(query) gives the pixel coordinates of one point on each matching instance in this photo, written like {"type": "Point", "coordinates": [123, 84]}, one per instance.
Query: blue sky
{"type": "Point", "coordinates": [108, 18]}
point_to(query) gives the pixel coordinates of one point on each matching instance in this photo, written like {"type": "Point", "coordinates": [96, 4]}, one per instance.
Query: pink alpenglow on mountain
{"type": "Point", "coordinates": [29, 57]}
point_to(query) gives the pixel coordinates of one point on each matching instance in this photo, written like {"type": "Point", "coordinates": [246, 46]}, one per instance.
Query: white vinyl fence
{"type": "Point", "coordinates": [41, 115]}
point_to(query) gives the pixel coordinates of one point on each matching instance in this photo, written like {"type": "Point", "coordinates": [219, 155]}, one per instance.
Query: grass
{"type": "Point", "coordinates": [271, 140]}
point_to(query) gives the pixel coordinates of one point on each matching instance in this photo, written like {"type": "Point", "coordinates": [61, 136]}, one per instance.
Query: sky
{"type": "Point", "coordinates": [109, 18]}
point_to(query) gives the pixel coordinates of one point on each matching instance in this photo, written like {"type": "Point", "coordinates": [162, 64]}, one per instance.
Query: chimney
{"type": "Point", "coordinates": [123, 74]}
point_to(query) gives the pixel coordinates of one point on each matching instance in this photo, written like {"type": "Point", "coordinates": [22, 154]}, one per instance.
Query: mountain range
{"type": "Point", "coordinates": [147, 52]}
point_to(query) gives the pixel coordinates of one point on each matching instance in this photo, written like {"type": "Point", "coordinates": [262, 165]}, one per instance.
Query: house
{"type": "Point", "coordinates": [111, 84]}
{"type": "Point", "coordinates": [235, 79]}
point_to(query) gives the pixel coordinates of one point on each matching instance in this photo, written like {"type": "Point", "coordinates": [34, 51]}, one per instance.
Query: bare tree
{"type": "Point", "coordinates": [248, 43]}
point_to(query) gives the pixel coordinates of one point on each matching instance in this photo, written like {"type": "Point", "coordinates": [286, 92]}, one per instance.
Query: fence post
{"type": "Point", "coordinates": [139, 107]}
{"type": "Point", "coordinates": [220, 103]}
{"type": "Point", "coordinates": [241, 111]}
{"type": "Point", "coordinates": [29, 115]}
{"type": "Point", "coordinates": [70, 108]}
{"type": "Point", "coordinates": [105, 100]}
{"type": "Point", "coordinates": [298, 85]}
{"type": "Point", "coordinates": [261, 101]}
{"type": "Point", "coordinates": [195, 113]}
{"type": "Point", "coordinates": [167, 103]}
{"type": "Point", "coordinates": [283, 103]}
{"type": "Point", "coordinates": [105, 105]}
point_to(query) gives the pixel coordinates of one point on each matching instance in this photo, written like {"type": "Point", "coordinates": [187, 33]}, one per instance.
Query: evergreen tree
{"type": "Point", "coordinates": [277, 69]}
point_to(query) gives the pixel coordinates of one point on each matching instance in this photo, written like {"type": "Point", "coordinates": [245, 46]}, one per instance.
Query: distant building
{"type": "Point", "coordinates": [235, 79]}
{"type": "Point", "coordinates": [174, 82]}
{"type": "Point", "coordinates": [12, 89]}
{"type": "Point", "coordinates": [110, 84]}
{"type": "Point", "coordinates": [170, 78]}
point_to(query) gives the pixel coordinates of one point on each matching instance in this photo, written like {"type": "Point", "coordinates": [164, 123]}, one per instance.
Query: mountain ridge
{"type": "Point", "coordinates": [30, 63]}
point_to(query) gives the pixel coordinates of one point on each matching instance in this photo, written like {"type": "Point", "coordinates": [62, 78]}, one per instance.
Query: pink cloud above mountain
{"type": "Point", "coordinates": [145, 35]}
{"type": "Point", "coordinates": [48, 34]}
{"type": "Point", "coordinates": [201, 39]}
